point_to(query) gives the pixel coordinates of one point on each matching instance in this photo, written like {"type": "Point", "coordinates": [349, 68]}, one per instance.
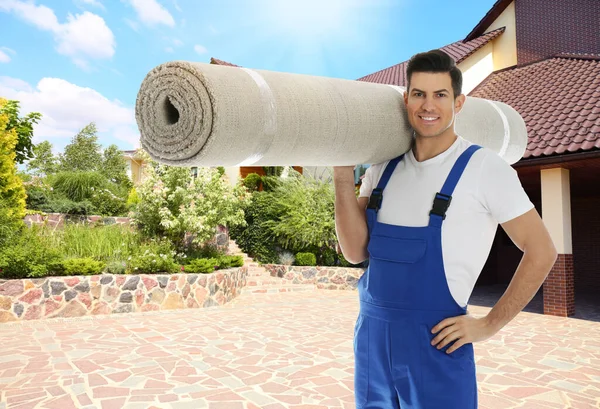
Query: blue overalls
{"type": "Point", "coordinates": [403, 294]}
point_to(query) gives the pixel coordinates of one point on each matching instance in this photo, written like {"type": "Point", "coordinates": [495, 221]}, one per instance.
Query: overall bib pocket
{"type": "Point", "coordinates": [391, 266]}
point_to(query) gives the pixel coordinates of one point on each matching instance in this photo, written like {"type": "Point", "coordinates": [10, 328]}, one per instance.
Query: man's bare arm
{"type": "Point", "coordinates": [530, 235]}
{"type": "Point", "coordinates": [350, 218]}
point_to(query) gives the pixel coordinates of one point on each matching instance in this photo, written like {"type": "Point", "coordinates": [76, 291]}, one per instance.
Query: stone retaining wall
{"type": "Point", "coordinates": [52, 297]}
{"type": "Point", "coordinates": [328, 278]}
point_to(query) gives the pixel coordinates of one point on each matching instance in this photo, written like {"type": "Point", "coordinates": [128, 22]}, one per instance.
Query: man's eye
{"type": "Point", "coordinates": [441, 95]}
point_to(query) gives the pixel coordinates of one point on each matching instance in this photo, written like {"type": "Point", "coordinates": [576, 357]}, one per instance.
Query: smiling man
{"type": "Point", "coordinates": [426, 221]}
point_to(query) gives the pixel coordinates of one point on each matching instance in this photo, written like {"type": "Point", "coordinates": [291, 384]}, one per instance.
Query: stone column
{"type": "Point", "coordinates": [559, 288]}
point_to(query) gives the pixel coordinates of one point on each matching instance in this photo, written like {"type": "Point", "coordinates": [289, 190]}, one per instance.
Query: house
{"type": "Point", "coordinates": [542, 57]}
{"type": "Point", "coordinates": [135, 166]}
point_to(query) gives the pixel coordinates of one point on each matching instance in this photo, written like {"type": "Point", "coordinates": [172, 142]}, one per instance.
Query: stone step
{"type": "Point", "coordinates": [263, 281]}
{"type": "Point", "coordinates": [277, 289]}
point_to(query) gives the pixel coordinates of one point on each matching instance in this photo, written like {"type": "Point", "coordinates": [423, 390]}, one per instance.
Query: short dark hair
{"type": "Point", "coordinates": [435, 61]}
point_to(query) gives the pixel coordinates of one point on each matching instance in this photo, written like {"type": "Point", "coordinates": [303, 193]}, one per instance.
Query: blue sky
{"type": "Point", "coordinates": [78, 61]}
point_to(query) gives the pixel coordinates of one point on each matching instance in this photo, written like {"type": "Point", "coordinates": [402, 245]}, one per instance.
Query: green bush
{"type": "Point", "coordinates": [116, 267]}
{"type": "Point", "coordinates": [306, 259]}
{"type": "Point", "coordinates": [305, 214]}
{"type": "Point", "coordinates": [108, 203]}
{"type": "Point", "coordinates": [252, 181]}
{"type": "Point", "coordinates": [327, 257]}
{"type": "Point", "coordinates": [256, 239]}
{"type": "Point", "coordinates": [29, 255]}
{"type": "Point", "coordinates": [172, 203]}
{"type": "Point", "coordinates": [78, 186]}
{"type": "Point", "coordinates": [153, 257]}
{"type": "Point", "coordinates": [225, 262]}
{"type": "Point", "coordinates": [201, 266]}
{"type": "Point", "coordinates": [132, 199]}
{"type": "Point", "coordinates": [82, 266]}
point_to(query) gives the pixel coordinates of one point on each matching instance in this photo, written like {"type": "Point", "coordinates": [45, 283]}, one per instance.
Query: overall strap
{"type": "Point", "coordinates": [376, 198]}
{"type": "Point", "coordinates": [442, 200]}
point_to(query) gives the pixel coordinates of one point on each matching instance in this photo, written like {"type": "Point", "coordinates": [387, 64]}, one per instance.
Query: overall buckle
{"type": "Point", "coordinates": [441, 203]}
{"type": "Point", "coordinates": [375, 199]}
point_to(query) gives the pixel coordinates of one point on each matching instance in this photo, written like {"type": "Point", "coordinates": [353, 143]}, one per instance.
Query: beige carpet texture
{"type": "Point", "coordinates": [198, 114]}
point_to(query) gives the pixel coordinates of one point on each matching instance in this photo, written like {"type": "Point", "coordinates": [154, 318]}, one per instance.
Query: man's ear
{"type": "Point", "coordinates": [459, 102]}
{"type": "Point", "coordinates": [406, 97]}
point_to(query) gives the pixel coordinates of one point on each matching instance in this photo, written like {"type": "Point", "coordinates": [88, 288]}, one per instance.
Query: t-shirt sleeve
{"type": "Point", "coordinates": [365, 186]}
{"type": "Point", "coordinates": [501, 190]}
{"type": "Point", "coordinates": [370, 180]}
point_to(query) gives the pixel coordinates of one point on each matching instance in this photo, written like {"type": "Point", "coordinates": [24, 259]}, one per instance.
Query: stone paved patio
{"type": "Point", "coordinates": [268, 351]}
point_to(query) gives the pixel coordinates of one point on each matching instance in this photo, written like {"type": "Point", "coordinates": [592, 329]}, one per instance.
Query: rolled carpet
{"type": "Point", "coordinates": [197, 114]}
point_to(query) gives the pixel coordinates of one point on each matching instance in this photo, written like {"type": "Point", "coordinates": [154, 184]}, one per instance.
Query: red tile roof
{"type": "Point", "coordinates": [396, 75]}
{"type": "Point", "coordinates": [221, 62]}
{"type": "Point", "coordinates": [491, 16]}
{"type": "Point", "coordinates": [559, 99]}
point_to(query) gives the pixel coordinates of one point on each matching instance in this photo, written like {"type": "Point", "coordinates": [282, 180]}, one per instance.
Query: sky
{"type": "Point", "coordinates": [82, 61]}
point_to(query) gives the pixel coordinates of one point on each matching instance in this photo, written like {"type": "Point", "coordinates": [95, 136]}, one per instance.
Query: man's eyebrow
{"type": "Point", "coordinates": [435, 92]}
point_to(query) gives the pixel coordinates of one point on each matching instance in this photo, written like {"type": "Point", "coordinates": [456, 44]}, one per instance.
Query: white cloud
{"type": "Point", "coordinates": [4, 57]}
{"type": "Point", "coordinates": [177, 42]}
{"type": "Point", "coordinates": [152, 13]}
{"type": "Point", "coordinates": [93, 3]}
{"type": "Point", "coordinates": [168, 49]}
{"type": "Point", "coordinates": [81, 37]}
{"type": "Point", "coordinates": [200, 49]}
{"type": "Point", "coordinates": [134, 25]}
{"type": "Point", "coordinates": [66, 108]}
{"type": "Point", "coordinates": [176, 5]}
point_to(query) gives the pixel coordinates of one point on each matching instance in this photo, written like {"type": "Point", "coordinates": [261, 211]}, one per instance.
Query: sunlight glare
{"type": "Point", "coordinates": [309, 17]}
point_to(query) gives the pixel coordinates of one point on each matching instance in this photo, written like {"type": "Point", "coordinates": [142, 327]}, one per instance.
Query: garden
{"type": "Point", "coordinates": [173, 215]}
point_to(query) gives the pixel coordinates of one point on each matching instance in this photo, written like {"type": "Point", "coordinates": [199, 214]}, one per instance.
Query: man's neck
{"type": "Point", "coordinates": [427, 148]}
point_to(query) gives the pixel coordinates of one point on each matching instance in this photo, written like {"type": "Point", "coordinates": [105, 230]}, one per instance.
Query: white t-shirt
{"type": "Point", "coordinates": [489, 192]}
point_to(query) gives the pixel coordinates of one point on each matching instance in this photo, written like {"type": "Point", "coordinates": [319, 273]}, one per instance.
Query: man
{"type": "Point", "coordinates": [426, 222]}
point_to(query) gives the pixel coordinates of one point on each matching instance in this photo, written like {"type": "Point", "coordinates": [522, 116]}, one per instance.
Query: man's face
{"type": "Point", "coordinates": [431, 105]}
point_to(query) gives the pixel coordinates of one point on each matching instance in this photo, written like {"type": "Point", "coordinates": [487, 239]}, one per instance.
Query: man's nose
{"type": "Point", "coordinates": [428, 104]}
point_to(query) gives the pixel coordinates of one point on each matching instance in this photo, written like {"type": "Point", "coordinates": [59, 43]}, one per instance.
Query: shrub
{"type": "Point", "coordinates": [172, 202]}
{"type": "Point", "coordinates": [306, 259]}
{"type": "Point", "coordinates": [286, 258]}
{"type": "Point", "coordinates": [116, 267]}
{"type": "Point", "coordinates": [202, 265]}
{"type": "Point", "coordinates": [29, 255]}
{"type": "Point", "coordinates": [78, 186]}
{"type": "Point", "coordinates": [256, 239]}
{"type": "Point", "coordinates": [225, 262]}
{"type": "Point", "coordinates": [252, 181]}
{"type": "Point", "coordinates": [132, 199]}
{"type": "Point", "coordinates": [305, 213]}
{"type": "Point", "coordinates": [82, 266]}
{"type": "Point", "coordinates": [156, 256]}
{"type": "Point", "coordinates": [327, 257]}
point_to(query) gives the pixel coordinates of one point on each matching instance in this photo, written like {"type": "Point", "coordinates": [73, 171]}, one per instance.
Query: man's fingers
{"type": "Point", "coordinates": [448, 339]}
{"type": "Point", "coordinates": [443, 324]}
{"type": "Point", "coordinates": [456, 345]}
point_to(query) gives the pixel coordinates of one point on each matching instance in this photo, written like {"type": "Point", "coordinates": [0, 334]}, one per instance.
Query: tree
{"type": "Point", "coordinates": [44, 162]}
{"type": "Point", "coordinates": [23, 128]}
{"type": "Point", "coordinates": [83, 153]}
{"type": "Point", "coordinates": [114, 166]}
{"type": "Point", "coordinates": [12, 192]}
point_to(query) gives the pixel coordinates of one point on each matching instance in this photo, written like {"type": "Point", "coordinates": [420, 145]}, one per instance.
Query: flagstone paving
{"type": "Point", "coordinates": [268, 350]}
